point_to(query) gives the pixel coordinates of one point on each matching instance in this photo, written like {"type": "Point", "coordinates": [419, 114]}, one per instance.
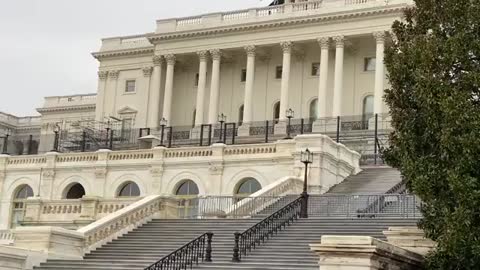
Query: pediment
{"type": "Point", "coordinates": [127, 110]}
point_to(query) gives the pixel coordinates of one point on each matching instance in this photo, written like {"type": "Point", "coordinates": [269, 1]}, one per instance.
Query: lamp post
{"type": "Point", "coordinates": [5, 143]}
{"type": "Point", "coordinates": [56, 130]}
{"type": "Point", "coordinates": [290, 114]}
{"type": "Point", "coordinates": [222, 118]}
{"type": "Point", "coordinates": [109, 124]}
{"type": "Point", "coordinates": [163, 124]}
{"type": "Point", "coordinates": [306, 157]}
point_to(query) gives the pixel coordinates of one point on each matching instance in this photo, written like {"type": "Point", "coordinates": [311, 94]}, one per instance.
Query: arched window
{"type": "Point", "coordinates": [314, 109]}
{"type": "Point", "coordinates": [129, 189]}
{"type": "Point", "coordinates": [187, 188]}
{"type": "Point", "coordinates": [367, 111]}
{"type": "Point", "coordinates": [18, 209]}
{"type": "Point", "coordinates": [240, 115]}
{"type": "Point", "coordinates": [276, 111]}
{"type": "Point", "coordinates": [75, 192]}
{"type": "Point", "coordinates": [247, 187]}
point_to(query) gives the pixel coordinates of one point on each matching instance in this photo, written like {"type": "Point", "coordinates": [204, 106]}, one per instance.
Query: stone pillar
{"type": "Point", "coordinates": [147, 74]}
{"type": "Point", "coordinates": [379, 72]}
{"type": "Point", "coordinates": [244, 130]}
{"type": "Point", "coordinates": [338, 87]}
{"type": "Point", "coordinates": [154, 94]}
{"type": "Point", "coordinates": [324, 43]}
{"type": "Point", "coordinates": [167, 100]}
{"type": "Point", "coordinates": [202, 80]}
{"type": "Point", "coordinates": [100, 104]}
{"type": "Point", "coordinates": [287, 52]}
{"type": "Point", "coordinates": [215, 86]}
{"type": "Point", "coordinates": [113, 75]}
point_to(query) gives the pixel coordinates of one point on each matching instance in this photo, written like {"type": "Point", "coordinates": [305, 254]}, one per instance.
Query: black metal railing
{"type": "Point", "coordinates": [262, 231]}
{"type": "Point", "coordinates": [196, 251]}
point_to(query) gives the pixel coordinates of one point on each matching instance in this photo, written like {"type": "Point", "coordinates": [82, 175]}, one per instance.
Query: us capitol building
{"type": "Point", "coordinates": [219, 104]}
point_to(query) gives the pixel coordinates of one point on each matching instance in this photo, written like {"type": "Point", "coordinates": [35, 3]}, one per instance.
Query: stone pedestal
{"type": "Point", "coordinates": [280, 128]}
{"type": "Point", "coordinates": [244, 130]}
{"type": "Point", "coordinates": [410, 238]}
{"type": "Point", "coordinates": [89, 207]}
{"type": "Point", "coordinates": [325, 125]}
{"type": "Point", "coordinates": [33, 209]}
{"type": "Point", "coordinates": [363, 253]}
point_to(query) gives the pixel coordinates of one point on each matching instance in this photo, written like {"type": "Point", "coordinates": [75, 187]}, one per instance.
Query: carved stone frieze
{"type": "Point", "coordinates": [147, 71]}
{"type": "Point", "coordinates": [48, 174]}
{"type": "Point", "coordinates": [102, 75]}
{"type": "Point", "coordinates": [113, 74]}
{"type": "Point", "coordinates": [100, 173]}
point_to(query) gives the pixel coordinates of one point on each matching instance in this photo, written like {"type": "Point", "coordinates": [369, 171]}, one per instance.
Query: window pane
{"type": "Point", "coordinates": [315, 69]}
{"type": "Point", "coordinates": [249, 186]}
{"type": "Point", "coordinates": [370, 63]}
{"type": "Point", "coordinates": [130, 86]}
{"type": "Point", "coordinates": [278, 72]}
{"type": "Point", "coordinates": [187, 188]}
{"type": "Point", "coordinates": [129, 190]}
{"type": "Point", "coordinates": [24, 192]}
{"type": "Point", "coordinates": [75, 192]}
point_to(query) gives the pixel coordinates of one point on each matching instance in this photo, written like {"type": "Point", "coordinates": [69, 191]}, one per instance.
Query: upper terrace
{"type": "Point", "coordinates": [16, 122]}
{"type": "Point", "coordinates": [279, 14]}
{"type": "Point", "coordinates": [83, 100]}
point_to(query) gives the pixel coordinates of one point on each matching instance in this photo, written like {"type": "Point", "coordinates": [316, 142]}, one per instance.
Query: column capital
{"type": "Point", "coordinates": [339, 41]}
{"type": "Point", "coordinates": [157, 60]}
{"type": "Point", "coordinates": [324, 42]}
{"type": "Point", "coordinates": [113, 74]}
{"type": "Point", "coordinates": [216, 54]}
{"type": "Point", "coordinates": [147, 71]}
{"type": "Point", "coordinates": [286, 46]}
{"type": "Point", "coordinates": [202, 55]}
{"type": "Point", "coordinates": [379, 36]}
{"type": "Point", "coordinates": [170, 59]}
{"type": "Point", "coordinates": [250, 50]}
{"type": "Point", "coordinates": [102, 75]}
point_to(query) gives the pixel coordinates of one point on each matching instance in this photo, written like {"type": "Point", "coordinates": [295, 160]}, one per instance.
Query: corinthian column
{"type": "Point", "coordinates": [324, 43]}
{"type": "Point", "coordinates": [202, 80]}
{"type": "Point", "coordinates": [167, 99]}
{"type": "Point", "coordinates": [248, 103]}
{"type": "Point", "coordinates": [100, 103]}
{"type": "Point", "coordinates": [379, 73]}
{"type": "Point", "coordinates": [154, 94]}
{"type": "Point", "coordinates": [287, 49]}
{"type": "Point", "coordinates": [338, 87]}
{"type": "Point", "coordinates": [215, 86]}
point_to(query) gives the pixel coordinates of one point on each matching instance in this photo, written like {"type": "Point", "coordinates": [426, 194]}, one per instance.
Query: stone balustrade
{"type": "Point", "coordinates": [74, 100]}
{"type": "Point", "coordinates": [259, 15]}
{"type": "Point", "coordinates": [71, 213]}
{"type": "Point", "coordinates": [6, 237]}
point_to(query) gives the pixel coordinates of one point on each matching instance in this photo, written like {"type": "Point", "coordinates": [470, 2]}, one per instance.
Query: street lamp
{"type": "Point", "coordinates": [5, 142]}
{"type": "Point", "coordinates": [306, 157]}
{"type": "Point", "coordinates": [290, 114]}
{"type": "Point", "coordinates": [163, 124]}
{"type": "Point", "coordinates": [109, 124]}
{"type": "Point", "coordinates": [56, 130]}
{"type": "Point", "coordinates": [222, 118]}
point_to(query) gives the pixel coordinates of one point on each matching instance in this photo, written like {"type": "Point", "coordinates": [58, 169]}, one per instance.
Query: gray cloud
{"type": "Point", "coordinates": [46, 44]}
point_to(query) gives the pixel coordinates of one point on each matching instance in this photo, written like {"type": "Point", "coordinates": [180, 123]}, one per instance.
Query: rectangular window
{"type": "Point", "coordinates": [369, 64]}
{"type": "Point", "coordinates": [197, 77]}
{"type": "Point", "coordinates": [278, 72]}
{"type": "Point", "coordinates": [315, 69]}
{"type": "Point", "coordinates": [243, 76]}
{"type": "Point", "coordinates": [130, 86]}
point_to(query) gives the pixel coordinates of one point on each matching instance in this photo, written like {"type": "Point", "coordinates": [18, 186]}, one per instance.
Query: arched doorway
{"type": "Point", "coordinates": [18, 209]}
{"type": "Point", "coordinates": [276, 111]}
{"type": "Point", "coordinates": [247, 187]}
{"type": "Point", "coordinates": [314, 110]}
{"type": "Point", "coordinates": [129, 189]}
{"type": "Point", "coordinates": [76, 191]}
{"type": "Point", "coordinates": [367, 110]}
{"type": "Point", "coordinates": [187, 191]}
{"type": "Point", "coordinates": [240, 115]}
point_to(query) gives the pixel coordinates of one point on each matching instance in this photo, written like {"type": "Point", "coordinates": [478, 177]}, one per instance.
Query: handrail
{"type": "Point", "coordinates": [189, 254]}
{"type": "Point", "coordinates": [258, 233]}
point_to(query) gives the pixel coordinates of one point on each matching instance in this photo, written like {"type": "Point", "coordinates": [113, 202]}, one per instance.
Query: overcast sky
{"type": "Point", "coordinates": [45, 45]}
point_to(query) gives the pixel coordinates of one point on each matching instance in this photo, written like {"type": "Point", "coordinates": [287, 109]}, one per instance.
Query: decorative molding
{"type": "Point", "coordinates": [102, 75]}
{"type": "Point", "coordinates": [122, 53]}
{"type": "Point", "coordinates": [49, 173]}
{"type": "Point", "coordinates": [67, 108]}
{"type": "Point", "coordinates": [113, 74]}
{"type": "Point", "coordinates": [100, 173]}
{"type": "Point", "coordinates": [202, 55]}
{"type": "Point", "coordinates": [379, 36]}
{"type": "Point", "coordinates": [147, 71]}
{"type": "Point", "coordinates": [324, 43]}
{"type": "Point", "coordinates": [216, 54]}
{"type": "Point", "coordinates": [156, 171]}
{"type": "Point", "coordinates": [339, 41]}
{"type": "Point", "coordinates": [157, 60]}
{"type": "Point", "coordinates": [171, 59]}
{"type": "Point", "coordinates": [250, 50]}
{"type": "Point", "coordinates": [216, 168]}
{"type": "Point", "coordinates": [286, 46]}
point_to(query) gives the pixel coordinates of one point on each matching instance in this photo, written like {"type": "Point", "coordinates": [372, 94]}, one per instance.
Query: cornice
{"type": "Point", "coordinates": [121, 53]}
{"type": "Point", "coordinates": [67, 108]}
{"type": "Point", "coordinates": [155, 38]}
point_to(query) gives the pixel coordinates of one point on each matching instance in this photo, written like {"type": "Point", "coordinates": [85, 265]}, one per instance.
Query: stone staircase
{"type": "Point", "coordinates": [372, 180]}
